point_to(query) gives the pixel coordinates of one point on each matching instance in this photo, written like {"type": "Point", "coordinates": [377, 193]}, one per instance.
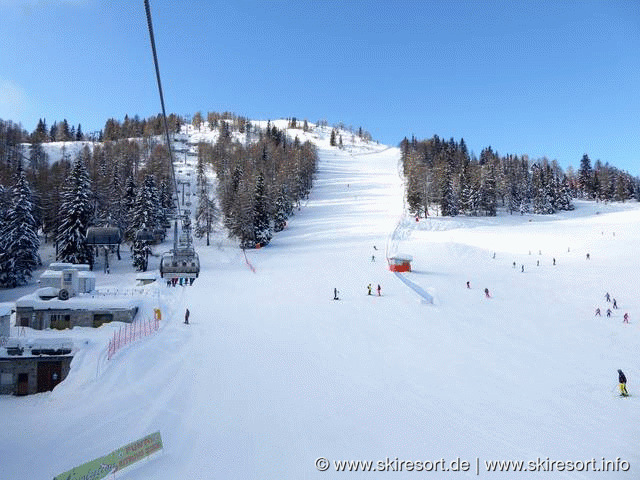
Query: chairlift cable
{"type": "Point", "coordinates": [164, 113]}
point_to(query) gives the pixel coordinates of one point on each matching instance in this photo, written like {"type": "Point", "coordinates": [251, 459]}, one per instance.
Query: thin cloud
{"type": "Point", "coordinates": [13, 100]}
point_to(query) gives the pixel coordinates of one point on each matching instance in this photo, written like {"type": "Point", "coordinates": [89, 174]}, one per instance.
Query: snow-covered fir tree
{"type": "Point", "coordinates": [140, 252]}
{"type": "Point", "coordinates": [76, 214]}
{"type": "Point", "coordinates": [19, 237]}
{"type": "Point", "coordinates": [145, 215]}
{"type": "Point", "coordinates": [284, 208]}
{"type": "Point", "coordinates": [261, 220]}
{"type": "Point", "coordinates": [127, 205]}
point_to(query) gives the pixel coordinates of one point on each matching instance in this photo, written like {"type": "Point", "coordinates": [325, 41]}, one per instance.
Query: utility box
{"type": "Point", "coordinates": [400, 263]}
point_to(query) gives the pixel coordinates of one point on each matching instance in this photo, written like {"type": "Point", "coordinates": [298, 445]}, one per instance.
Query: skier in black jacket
{"type": "Point", "coordinates": [623, 384]}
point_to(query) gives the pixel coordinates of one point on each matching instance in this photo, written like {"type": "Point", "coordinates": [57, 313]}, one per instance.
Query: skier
{"type": "Point", "coordinates": [494, 255]}
{"type": "Point", "coordinates": [369, 289]}
{"type": "Point", "coordinates": [554, 261]}
{"type": "Point", "coordinates": [588, 256]}
{"type": "Point", "coordinates": [626, 318]}
{"type": "Point", "coordinates": [186, 317]}
{"type": "Point", "coordinates": [608, 312]}
{"type": "Point", "coordinates": [538, 263]}
{"type": "Point", "coordinates": [623, 384]}
{"type": "Point", "coordinates": [615, 304]}
{"type": "Point", "coordinates": [373, 258]}
{"type": "Point", "coordinates": [335, 294]}
{"type": "Point", "coordinates": [522, 268]}
{"type": "Point", "coordinates": [514, 264]}
{"type": "Point", "coordinates": [468, 285]}
{"type": "Point", "coordinates": [598, 312]}
{"type": "Point", "coordinates": [607, 297]}
{"type": "Point", "coordinates": [375, 248]}
{"type": "Point", "coordinates": [379, 290]}
{"type": "Point", "coordinates": [486, 293]}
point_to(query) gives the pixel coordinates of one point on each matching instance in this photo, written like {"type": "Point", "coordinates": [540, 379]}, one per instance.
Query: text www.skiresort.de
{"type": "Point", "coordinates": [479, 465]}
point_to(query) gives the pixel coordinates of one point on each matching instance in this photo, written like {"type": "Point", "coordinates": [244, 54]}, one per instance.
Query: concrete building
{"type": "Point", "coordinates": [5, 318]}
{"type": "Point", "coordinates": [33, 366]}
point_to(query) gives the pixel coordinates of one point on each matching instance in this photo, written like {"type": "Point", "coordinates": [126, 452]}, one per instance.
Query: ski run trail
{"type": "Point", "coordinates": [272, 373]}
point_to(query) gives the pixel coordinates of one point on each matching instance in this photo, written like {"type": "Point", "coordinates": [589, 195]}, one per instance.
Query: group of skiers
{"type": "Point", "coordinates": [172, 282]}
{"type": "Point", "coordinates": [614, 305]}
{"type": "Point", "coordinates": [486, 290]}
{"type": "Point", "coordinates": [379, 289]}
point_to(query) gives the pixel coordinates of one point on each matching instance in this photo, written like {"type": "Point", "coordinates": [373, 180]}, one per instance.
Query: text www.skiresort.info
{"type": "Point", "coordinates": [478, 465]}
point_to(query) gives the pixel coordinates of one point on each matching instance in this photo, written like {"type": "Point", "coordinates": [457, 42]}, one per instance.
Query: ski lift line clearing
{"type": "Point", "coordinates": [182, 261]}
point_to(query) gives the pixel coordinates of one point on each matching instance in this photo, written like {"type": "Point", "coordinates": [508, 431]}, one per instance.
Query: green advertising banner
{"type": "Point", "coordinates": [117, 460]}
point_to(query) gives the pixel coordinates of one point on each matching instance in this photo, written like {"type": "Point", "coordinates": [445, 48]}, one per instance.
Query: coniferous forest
{"type": "Point", "coordinates": [121, 177]}
{"type": "Point", "coordinates": [443, 177]}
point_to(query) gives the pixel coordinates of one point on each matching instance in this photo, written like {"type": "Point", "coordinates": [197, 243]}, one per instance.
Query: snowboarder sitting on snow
{"type": "Point", "coordinates": [623, 384]}
{"type": "Point", "coordinates": [598, 312]}
{"type": "Point", "coordinates": [186, 317]}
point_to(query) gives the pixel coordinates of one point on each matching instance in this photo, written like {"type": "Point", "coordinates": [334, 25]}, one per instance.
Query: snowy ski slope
{"type": "Point", "coordinates": [272, 373]}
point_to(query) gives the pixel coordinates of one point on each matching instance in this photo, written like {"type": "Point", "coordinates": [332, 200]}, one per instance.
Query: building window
{"type": "Point", "coordinates": [6, 378]}
{"type": "Point", "coordinates": [60, 321]}
{"type": "Point", "coordinates": [100, 318]}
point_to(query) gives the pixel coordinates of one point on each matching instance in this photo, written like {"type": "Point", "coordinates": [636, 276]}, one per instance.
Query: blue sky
{"type": "Point", "coordinates": [555, 79]}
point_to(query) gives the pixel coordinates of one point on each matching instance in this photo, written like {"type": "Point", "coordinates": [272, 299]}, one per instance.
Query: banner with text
{"type": "Point", "coordinates": [117, 460]}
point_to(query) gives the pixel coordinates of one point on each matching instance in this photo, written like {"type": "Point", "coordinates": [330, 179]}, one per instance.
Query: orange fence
{"type": "Point", "coordinates": [130, 333]}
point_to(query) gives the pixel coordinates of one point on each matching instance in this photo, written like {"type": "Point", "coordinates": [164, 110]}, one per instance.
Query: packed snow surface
{"type": "Point", "coordinates": [272, 373]}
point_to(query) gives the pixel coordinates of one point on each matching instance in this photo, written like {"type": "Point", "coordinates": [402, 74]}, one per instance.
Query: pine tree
{"type": "Point", "coordinates": [283, 208]}
{"type": "Point", "coordinates": [488, 199]}
{"type": "Point", "coordinates": [76, 214]}
{"type": "Point", "coordinates": [146, 209]}
{"type": "Point", "coordinates": [261, 220]}
{"type": "Point", "coordinates": [206, 214]}
{"type": "Point", "coordinates": [128, 202]}
{"type": "Point", "coordinates": [20, 242]}
{"type": "Point", "coordinates": [140, 252]}
{"type": "Point", "coordinates": [41, 135]}
{"type": "Point", "coordinates": [585, 177]}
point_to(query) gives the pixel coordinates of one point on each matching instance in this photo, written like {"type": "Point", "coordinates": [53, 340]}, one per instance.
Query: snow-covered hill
{"type": "Point", "coordinates": [273, 374]}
